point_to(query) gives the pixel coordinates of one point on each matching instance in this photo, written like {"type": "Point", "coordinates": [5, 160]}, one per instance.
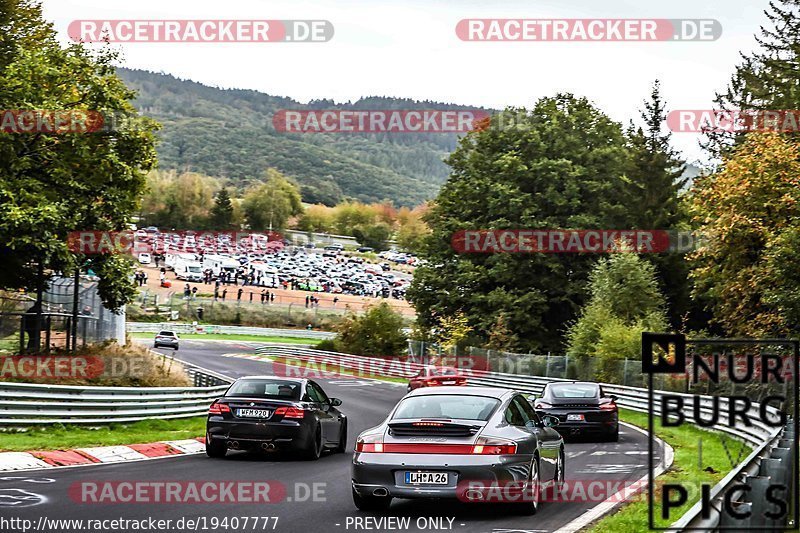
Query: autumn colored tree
{"type": "Point", "coordinates": [270, 204]}
{"type": "Point", "coordinates": [749, 213]}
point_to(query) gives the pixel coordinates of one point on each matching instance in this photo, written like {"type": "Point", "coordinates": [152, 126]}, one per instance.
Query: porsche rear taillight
{"type": "Point", "coordinates": [493, 446]}
{"type": "Point", "coordinates": [290, 412]}
{"type": "Point", "coordinates": [610, 406]}
{"type": "Point", "coordinates": [542, 405]}
{"type": "Point", "coordinates": [370, 444]}
{"type": "Point", "coordinates": [218, 408]}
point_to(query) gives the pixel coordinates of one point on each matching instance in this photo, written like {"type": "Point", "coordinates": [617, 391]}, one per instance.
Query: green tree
{"type": "Point", "coordinates": [558, 166]}
{"type": "Point", "coordinates": [269, 205]}
{"type": "Point", "coordinates": [767, 78]}
{"type": "Point", "coordinates": [655, 185]}
{"type": "Point", "coordinates": [222, 212]}
{"type": "Point", "coordinates": [375, 236]}
{"type": "Point", "coordinates": [51, 184]}
{"type": "Point", "coordinates": [655, 169]}
{"type": "Point", "coordinates": [378, 331]}
{"type": "Point", "coordinates": [625, 300]}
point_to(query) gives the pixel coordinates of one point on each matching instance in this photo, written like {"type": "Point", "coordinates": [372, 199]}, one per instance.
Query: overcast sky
{"type": "Point", "coordinates": [409, 48]}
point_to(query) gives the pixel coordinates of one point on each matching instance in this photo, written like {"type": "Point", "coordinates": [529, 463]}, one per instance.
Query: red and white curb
{"type": "Point", "coordinates": [36, 460]}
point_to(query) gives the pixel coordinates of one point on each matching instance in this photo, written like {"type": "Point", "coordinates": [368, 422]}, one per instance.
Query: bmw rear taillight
{"type": "Point", "coordinates": [461, 381]}
{"type": "Point", "coordinates": [218, 408]}
{"type": "Point", "coordinates": [610, 406]}
{"type": "Point", "coordinates": [290, 412]}
{"type": "Point", "coordinates": [370, 443]}
{"type": "Point", "coordinates": [493, 446]}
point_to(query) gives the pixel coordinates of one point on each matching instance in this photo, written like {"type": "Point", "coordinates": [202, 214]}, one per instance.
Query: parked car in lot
{"type": "Point", "coordinates": [168, 339]}
{"type": "Point", "coordinates": [582, 408]}
{"type": "Point", "coordinates": [273, 413]}
{"type": "Point", "coordinates": [145, 259]}
{"type": "Point", "coordinates": [437, 440]}
{"type": "Point", "coordinates": [434, 376]}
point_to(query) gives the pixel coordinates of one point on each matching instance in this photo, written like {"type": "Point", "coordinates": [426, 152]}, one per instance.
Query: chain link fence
{"type": "Point", "coordinates": [24, 330]}
{"type": "Point", "coordinates": [628, 372]}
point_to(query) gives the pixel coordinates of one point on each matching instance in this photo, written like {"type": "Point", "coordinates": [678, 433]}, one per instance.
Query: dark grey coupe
{"type": "Point", "coordinates": [477, 444]}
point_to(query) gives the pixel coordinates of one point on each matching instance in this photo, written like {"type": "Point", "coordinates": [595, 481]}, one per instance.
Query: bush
{"type": "Point", "coordinates": [379, 331]}
{"type": "Point", "coordinates": [328, 345]}
{"type": "Point", "coordinates": [142, 368]}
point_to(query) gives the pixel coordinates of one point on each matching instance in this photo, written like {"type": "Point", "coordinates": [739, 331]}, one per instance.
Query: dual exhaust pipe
{"type": "Point", "coordinates": [266, 446]}
{"type": "Point", "coordinates": [380, 492]}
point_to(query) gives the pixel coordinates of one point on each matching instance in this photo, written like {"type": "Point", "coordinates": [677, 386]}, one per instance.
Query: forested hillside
{"type": "Point", "coordinates": [229, 134]}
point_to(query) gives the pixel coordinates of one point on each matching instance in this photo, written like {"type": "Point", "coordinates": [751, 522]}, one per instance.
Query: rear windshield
{"type": "Point", "coordinates": [167, 333]}
{"type": "Point", "coordinates": [271, 389]}
{"type": "Point", "coordinates": [447, 406]}
{"type": "Point", "coordinates": [574, 390]}
{"type": "Point", "coordinates": [444, 372]}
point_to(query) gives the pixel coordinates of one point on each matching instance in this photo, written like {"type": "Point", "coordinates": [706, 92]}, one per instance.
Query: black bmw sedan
{"type": "Point", "coordinates": [272, 413]}
{"type": "Point", "coordinates": [582, 408]}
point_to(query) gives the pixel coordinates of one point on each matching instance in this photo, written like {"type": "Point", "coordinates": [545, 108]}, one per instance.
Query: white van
{"type": "Point", "coordinates": [220, 263]}
{"type": "Point", "coordinates": [188, 270]}
{"type": "Point", "coordinates": [172, 259]}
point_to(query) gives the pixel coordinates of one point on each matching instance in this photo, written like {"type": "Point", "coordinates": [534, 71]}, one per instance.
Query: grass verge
{"type": "Point", "coordinates": [233, 337]}
{"type": "Point", "coordinates": [60, 437]}
{"type": "Point", "coordinates": [689, 468]}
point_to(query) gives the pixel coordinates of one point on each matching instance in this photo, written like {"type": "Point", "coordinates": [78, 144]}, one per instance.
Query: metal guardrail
{"type": "Point", "coordinates": [155, 327]}
{"type": "Point", "coordinates": [29, 404]}
{"type": "Point", "coordinates": [770, 463]}
{"type": "Point", "coordinates": [771, 459]}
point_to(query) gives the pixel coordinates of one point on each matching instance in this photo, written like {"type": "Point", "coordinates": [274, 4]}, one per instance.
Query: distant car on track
{"type": "Point", "coordinates": [274, 413]}
{"type": "Point", "coordinates": [166, 338]}
{"type": "Point", "coordinates": [437, 440]}
{"type": "Point", "coordinates": [582, 408]}
{"type": "Point", "coordinates": [435, 376]}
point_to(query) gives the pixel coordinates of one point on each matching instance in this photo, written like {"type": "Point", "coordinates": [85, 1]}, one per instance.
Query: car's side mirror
{"type": "Point", "coordinates": [336, 402]}
{"type": "Point", "coordinates": [549, 421]}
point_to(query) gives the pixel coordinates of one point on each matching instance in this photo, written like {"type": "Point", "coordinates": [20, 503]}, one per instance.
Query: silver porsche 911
{"type": "Point", "coordinates": [456, 442]}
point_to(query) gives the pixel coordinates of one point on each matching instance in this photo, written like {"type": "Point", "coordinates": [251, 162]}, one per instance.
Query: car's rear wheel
{"type": "Point", "coordinates": [313, 449]}
{"type": "Point", "coordinates": [560, 473]}
{"type": "Point", "coordinates": [530, 504]}
{"type": "Point", "coordinates": [215, 448]}
{"type": "Point", "coordinates": [371, 503]}
{"type": "Point", "coordinates": [342, 446]}
{"type": "Point", "coordinates": [614, 437]}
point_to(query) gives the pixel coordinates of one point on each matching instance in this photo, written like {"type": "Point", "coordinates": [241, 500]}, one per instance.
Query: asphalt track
{"type": "Point", "coordinates": [366, 403]}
